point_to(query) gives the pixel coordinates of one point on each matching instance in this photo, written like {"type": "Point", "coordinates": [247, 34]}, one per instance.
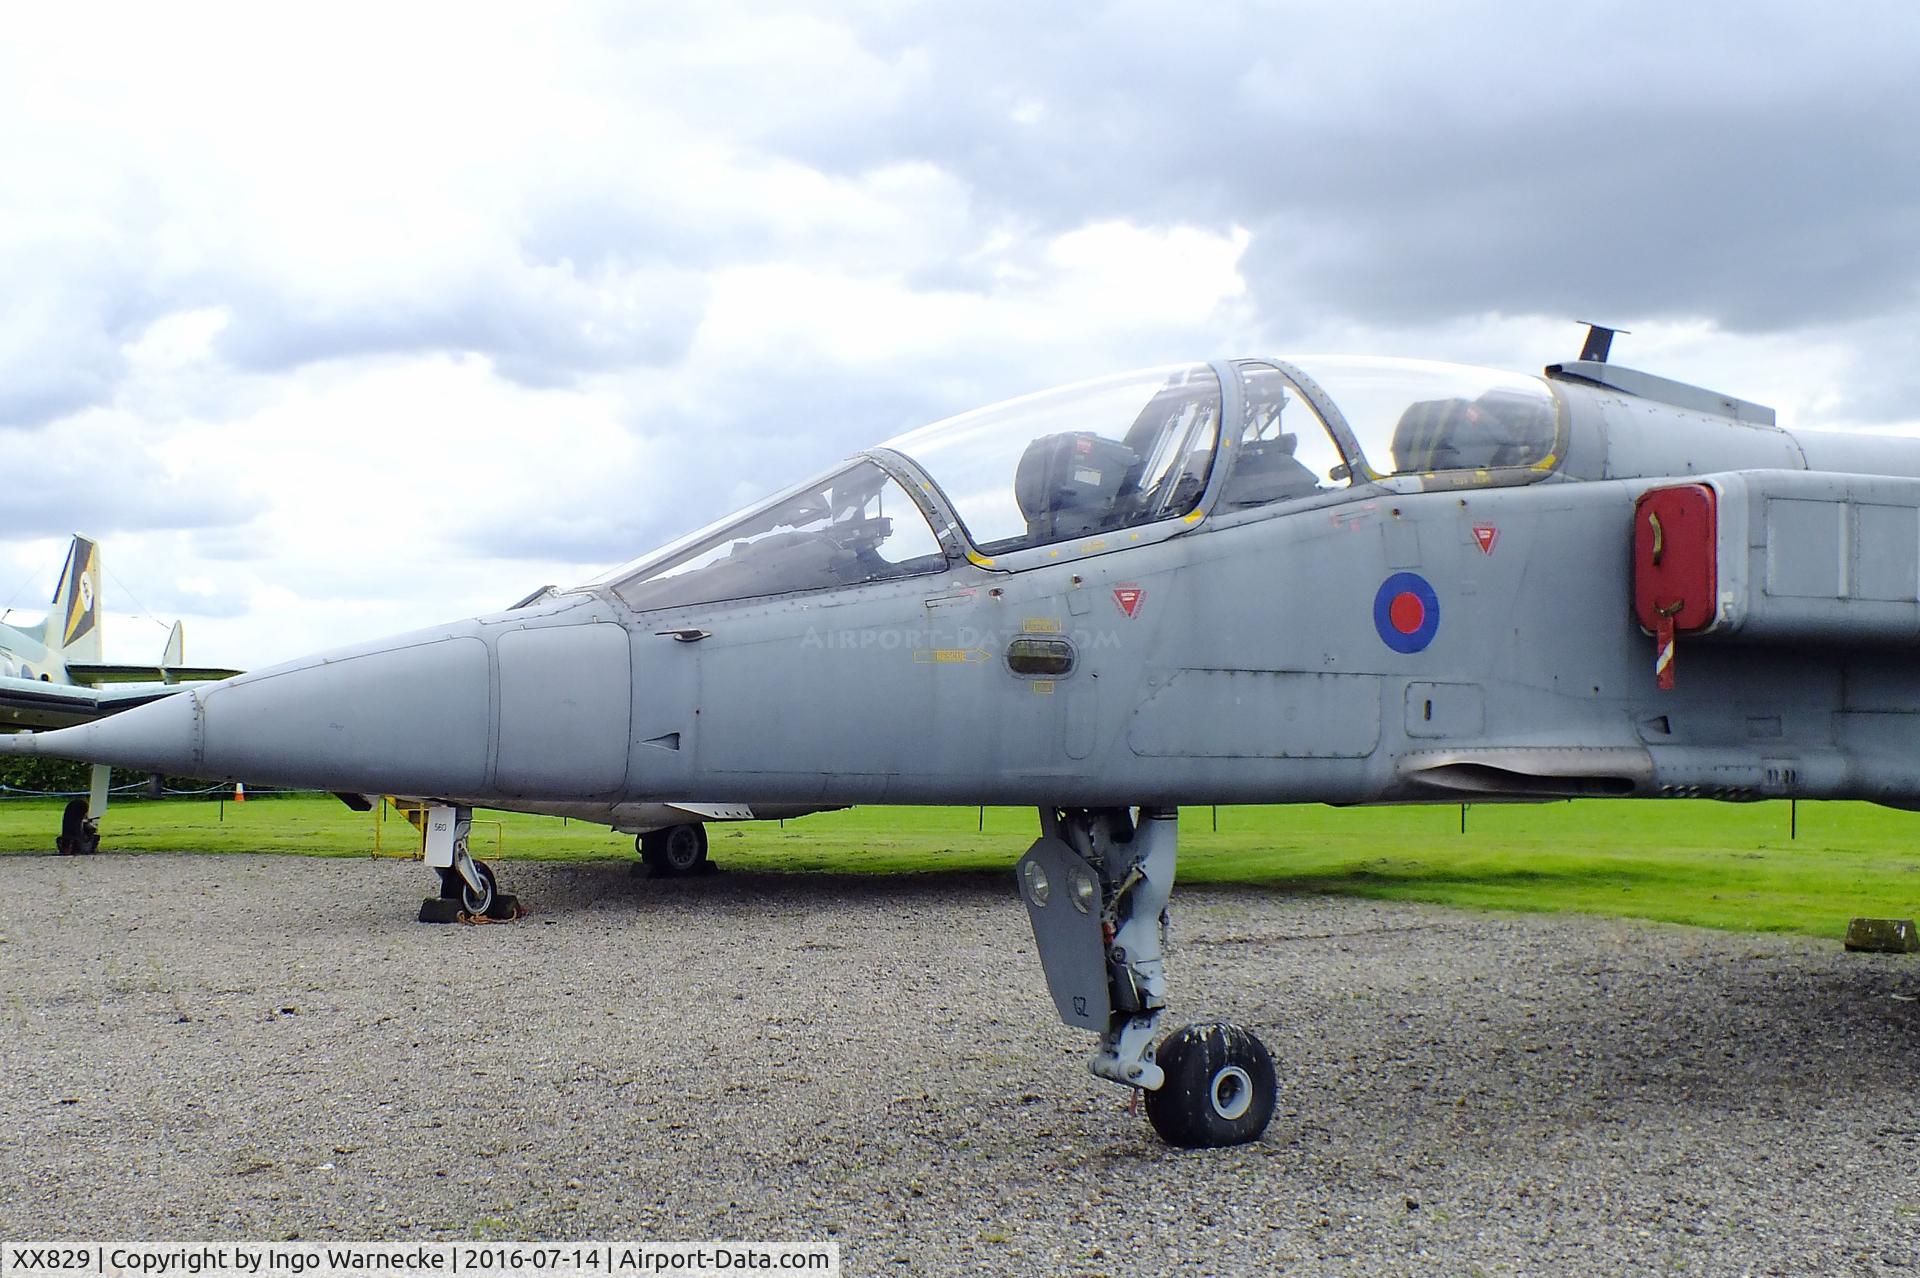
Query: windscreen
{"type": "Point", "coordinates": [1078, 461]}
{"type": "Point", "coordinates": [851, 526]}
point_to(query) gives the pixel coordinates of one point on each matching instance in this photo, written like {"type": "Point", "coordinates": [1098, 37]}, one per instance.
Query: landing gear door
{"type": "Point", "coordinates": [1062, 893]}
{"type": "Point", "coordinates": [445, 831]}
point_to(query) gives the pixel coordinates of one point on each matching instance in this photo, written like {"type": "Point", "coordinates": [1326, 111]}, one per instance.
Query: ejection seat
{"type": "Point", "coordinates": [1498, 429]}
{"type": "Point", "coordinates": [1066, 485]}
{"type": "Point", "coordinates": [1266, 470]}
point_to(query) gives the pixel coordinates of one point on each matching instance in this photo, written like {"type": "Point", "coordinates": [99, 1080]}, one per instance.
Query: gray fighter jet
{"type": "Point", "coordinates": [1252, 581]}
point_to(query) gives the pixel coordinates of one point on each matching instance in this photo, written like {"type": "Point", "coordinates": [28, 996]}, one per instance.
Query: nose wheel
{"type": "Point", "coordinates": [79, 832]}
{"type": "Point", "coordinates": [475, 898]}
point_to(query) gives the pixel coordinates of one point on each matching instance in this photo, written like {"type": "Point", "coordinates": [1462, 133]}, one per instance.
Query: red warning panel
{"type": "Point", "coordinates": [1675, 548]}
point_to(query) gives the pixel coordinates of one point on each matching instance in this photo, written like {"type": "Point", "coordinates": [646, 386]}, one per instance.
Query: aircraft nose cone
{"type": "Point", "coordinates": [406, 718]}
{"type": "Point", "coordinates": [159, 737]}
{"type": "Point", "coordinates": [409, 719]}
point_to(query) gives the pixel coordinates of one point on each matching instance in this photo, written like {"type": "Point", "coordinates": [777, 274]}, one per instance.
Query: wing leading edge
{"type": "Point", "coordinates": [30, 703]}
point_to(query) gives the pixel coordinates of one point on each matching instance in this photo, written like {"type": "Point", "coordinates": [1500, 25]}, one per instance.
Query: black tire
{"type": "Point", "coordinates": [677, 851]}
{"type": "Point", "coordinates": [78, 835]}
{"type": "Point", "coordinates": [479, 902]}
{"type": "Point", "coordinates": [1219, 1089]}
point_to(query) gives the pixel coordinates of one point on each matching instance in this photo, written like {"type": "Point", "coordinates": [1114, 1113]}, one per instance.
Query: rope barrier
{"type": "Point", "coordinates": [8, 791]}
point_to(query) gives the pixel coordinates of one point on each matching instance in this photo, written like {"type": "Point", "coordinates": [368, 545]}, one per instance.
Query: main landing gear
{"type": "Point", "coordinates": [674, 852]}
{"type": "Point", "coordinates": [1096, 887]}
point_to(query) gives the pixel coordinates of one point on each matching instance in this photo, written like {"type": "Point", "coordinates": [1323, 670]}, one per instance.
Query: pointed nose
{"type": "Point", "coordinates": [161, 736]}
{"type": "Point", "coordinates": [409, 717]}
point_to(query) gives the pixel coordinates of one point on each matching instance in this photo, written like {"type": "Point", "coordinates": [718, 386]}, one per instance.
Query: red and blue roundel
{"type": "Point", "coordinates": [1406, 612]}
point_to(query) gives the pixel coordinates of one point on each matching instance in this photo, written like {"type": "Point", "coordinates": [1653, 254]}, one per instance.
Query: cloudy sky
{"type": "Point", "coordinates": [334, 321]}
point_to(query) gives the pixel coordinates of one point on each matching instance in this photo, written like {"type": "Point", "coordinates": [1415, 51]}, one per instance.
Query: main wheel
{"type": "Point", "coordinates": [478, 900]}
{"type": "Point", "coordinates": [1219, 1088]}
{"type": "Point", "coordinates": [675, 851]}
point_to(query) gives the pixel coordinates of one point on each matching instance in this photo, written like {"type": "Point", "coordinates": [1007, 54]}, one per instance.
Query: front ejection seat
{"type": "Point", "coordinates": [1066, 484]}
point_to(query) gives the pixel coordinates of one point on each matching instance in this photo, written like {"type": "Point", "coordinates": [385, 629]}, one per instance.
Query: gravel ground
{"type": "Point", "coordinates": [267, 1047]}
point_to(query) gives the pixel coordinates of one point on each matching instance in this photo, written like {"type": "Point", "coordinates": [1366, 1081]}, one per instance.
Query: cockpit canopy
{"type": "Point", "coordinates": [1067, 463]}
{"type": "Point", "coordinates": [1138, 451]}
{"type": "Point", "coordinates": [1478, 426]}
{"type": "Point", "coordinates": [850, 526]}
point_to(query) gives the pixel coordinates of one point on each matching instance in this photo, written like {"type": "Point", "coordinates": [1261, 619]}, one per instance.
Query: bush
{"type": "Point", "coordinates": [59, 776]}
{"type": "Point", "coordinates": [43, 774]}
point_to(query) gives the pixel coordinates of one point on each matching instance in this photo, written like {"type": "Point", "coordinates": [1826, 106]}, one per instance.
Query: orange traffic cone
{"type": "Point", "coordinates": [239, 792]}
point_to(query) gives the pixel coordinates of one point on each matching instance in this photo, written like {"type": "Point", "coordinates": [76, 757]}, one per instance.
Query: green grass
{"type": "Point", "coordinates": [1716, 865]}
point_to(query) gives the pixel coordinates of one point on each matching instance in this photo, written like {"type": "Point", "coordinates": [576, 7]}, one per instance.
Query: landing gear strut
{"type": "Point", "coordinates": [1096, 887]}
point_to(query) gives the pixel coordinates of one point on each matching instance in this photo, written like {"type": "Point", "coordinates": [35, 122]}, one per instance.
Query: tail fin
{"type": "Point", "coordinates": [176, 653]}
{"type": "Point", "coordinates": [73, 627]}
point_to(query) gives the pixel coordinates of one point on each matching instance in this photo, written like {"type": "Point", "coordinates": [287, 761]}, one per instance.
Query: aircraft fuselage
{"type": "Point", "coordinates": [1245, 659]}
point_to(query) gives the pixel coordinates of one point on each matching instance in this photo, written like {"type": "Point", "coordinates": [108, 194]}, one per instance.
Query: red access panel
{"type": "Point", "coordinates": [1675, 547]}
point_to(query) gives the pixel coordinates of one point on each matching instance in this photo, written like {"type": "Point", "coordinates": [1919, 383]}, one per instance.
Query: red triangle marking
{"type": "Point", "coordinates": [1128, 597]}
{"type": "Point", "coordinates": [1486, 535]}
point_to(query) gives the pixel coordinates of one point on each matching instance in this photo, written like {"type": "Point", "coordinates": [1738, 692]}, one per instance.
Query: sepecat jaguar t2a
{"type": "Point", "coordinates": [1252, 581]}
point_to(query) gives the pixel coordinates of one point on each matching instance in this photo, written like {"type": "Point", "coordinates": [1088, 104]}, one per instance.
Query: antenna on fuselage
{"type": "Point", "coordinates": [1599, 341]}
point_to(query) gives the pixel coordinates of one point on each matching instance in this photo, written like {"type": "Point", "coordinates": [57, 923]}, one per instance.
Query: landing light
{"type": "Point", "coordinates": [1038, 889]}
{"type": "Point", "coordinates": [1084, 892]}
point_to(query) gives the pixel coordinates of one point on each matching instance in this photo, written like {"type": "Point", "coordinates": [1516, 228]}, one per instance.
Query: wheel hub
{"type": "Point", "coordinates": [1231, 1092]}
{"type": "Point", "coordinates": [683, 850]}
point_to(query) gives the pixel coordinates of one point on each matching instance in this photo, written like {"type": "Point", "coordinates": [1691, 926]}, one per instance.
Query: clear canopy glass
{"type": "Point", "coordinates": [1113, 454]}
{"type": "Point", "coordinates": [1077, 461]}
{"type": "Point", "coordinates": [1416, 417]}
{"type": "Point", "coordinates": [850, 526]}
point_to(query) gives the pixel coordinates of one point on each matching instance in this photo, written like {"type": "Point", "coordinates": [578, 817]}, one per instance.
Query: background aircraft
{"type": "Point", "coordinates": [1251, 581]}
{"type": "Point", "coordinates": [52, 676]}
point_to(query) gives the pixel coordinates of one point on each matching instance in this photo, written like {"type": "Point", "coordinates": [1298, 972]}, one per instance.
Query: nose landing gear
{"type": "Point", "coordinates": [1096, 887]}
{"type": "Point", "coordinates": [469, 891]}
{"type": "Point", "coordinates": [79, 832]}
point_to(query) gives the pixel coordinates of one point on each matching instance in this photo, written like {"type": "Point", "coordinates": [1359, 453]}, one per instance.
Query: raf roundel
{"type": "Point", "coordinates": [1406, 612]}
